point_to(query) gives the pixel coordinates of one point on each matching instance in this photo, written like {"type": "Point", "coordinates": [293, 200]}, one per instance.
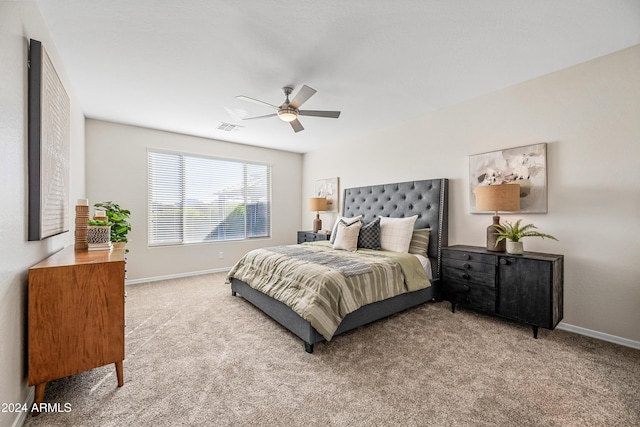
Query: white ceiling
{"type": "Point", "coordinates": [178, 65]}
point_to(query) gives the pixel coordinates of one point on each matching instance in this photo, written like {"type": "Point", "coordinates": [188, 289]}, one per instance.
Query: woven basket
{"type": "Point", "coordinates": [98, 234]}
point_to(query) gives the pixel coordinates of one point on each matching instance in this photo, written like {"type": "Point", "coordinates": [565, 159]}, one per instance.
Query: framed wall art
{"type": "Point", "coordinates": [48, 152]}
{"type": "Point", "coordinates": [526, 166]}
{"type": "Point", "coordinates": [329, 188]}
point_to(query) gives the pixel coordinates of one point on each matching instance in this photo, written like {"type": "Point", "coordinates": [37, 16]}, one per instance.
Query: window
{"type": "Point", "coordinates": [196, 199]}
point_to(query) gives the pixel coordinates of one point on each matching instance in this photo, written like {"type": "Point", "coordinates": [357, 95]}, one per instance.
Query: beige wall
{"type": "Point", "coordinates": [20, 21]}
{"type": "Point", "coordinates": [589, 115]}
{"type": "Point", "coordinates": [117, 171]}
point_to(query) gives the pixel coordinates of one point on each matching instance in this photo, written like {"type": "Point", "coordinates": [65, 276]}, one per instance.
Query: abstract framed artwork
{"type": "Point", "coordinates": [525, 165]}
{"type": "Point", "coordinates": [329, 188]}
{"type": "Point", "coordinates": [48, 152]}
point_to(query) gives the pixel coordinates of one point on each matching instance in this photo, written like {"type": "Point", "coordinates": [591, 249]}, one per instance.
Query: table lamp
{"type": "Point", "coordinates": [500, 197]}
{"type": "Point", "coordinates": [317, 204]}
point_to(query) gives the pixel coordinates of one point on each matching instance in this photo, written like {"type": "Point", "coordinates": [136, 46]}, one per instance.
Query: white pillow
{"type": "Point", "coordinates": [347, 236]}
{"type": "Point", "coordinates": [395, 233]}
{"type": "Point", "coordinates": [347, 221]}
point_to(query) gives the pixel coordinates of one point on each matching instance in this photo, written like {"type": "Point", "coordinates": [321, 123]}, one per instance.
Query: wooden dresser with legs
{"type": "Point", "coordinates": [526, 288]}
{"type": "Point", "coordinates": [75, 315]}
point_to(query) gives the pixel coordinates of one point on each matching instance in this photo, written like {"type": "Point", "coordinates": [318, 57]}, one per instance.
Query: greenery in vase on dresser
{"type": "Point", "coordinates": [514, 233]}
{"type": "Point", "coordinates": [118, 217]}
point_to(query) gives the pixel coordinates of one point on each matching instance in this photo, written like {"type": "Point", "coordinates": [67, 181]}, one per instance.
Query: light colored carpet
{"type": "Point", "coordinates": [195, 355]}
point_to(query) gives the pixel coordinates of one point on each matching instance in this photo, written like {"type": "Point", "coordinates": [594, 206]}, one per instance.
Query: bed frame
{"type": "Point", "coordinates": [427, 199]}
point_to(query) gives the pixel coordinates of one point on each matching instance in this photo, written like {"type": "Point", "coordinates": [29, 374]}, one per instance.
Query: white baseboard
{"type": "Point", "coordinates": [22, 415]}
{"type": "Point", "coordinates": [176, 276]}
{"type": "Point", "coordinates": [599, 335]}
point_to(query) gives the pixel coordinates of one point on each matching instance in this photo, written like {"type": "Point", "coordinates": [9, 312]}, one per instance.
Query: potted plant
{"type": "Point", "coordinates": [514, 233]}
{"type": "Point", "coordinates": [98, 235]}
{"type": "Point", "coordinates": [118, 218]}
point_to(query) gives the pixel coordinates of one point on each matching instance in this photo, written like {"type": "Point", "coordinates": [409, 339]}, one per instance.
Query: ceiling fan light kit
{"type": "Point", "coordinates": [289, 110]}
{"type": "Point", "coordinates": [287, 114]}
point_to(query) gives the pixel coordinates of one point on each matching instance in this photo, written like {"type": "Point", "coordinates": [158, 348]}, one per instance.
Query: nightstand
{"type": "Point", "coordinates": [527, 288]}
{"type": "Point", "coordinates": [310, 236]}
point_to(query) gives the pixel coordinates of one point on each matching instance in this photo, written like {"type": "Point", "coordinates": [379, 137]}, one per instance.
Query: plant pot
{"type": "Point", "coordinates": [119, 245]}
{"type": "Point", "coordinates": [514, 248]}
{"type": "Point", "coordinates": [98, 234]}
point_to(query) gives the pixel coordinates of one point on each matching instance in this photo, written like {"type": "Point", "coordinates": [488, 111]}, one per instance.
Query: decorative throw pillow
{"type": "Point", "coordinates": [347, 236]}
{"type": "Point", "coordinates": [419, 241]}
{"type": "Point", "coordinates": [395, 233]}
{"type": "Point", "coordinates": [346, 221]}
{"type": "Point", "coordinates": [369, 237]}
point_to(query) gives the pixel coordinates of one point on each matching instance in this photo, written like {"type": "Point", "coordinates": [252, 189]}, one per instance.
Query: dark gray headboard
{"type": "Point", "coordinates": [427, 199]}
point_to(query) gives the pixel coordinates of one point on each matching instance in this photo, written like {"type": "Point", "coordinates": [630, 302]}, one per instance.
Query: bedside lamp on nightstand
{"type": "Point", "coordinates": [499, 197]}
{"type": "Point", "coordinates": [317, 204]}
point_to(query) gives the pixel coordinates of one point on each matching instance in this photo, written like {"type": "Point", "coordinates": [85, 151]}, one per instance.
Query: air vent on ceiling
{"type": "Point", "coordinates": [228, 127]}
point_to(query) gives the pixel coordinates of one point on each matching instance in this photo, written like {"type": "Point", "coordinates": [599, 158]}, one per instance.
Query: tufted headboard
{"type": "Point", "coordinates": [427, 199]}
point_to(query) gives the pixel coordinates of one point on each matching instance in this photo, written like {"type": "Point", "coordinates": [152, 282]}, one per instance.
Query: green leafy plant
{"type": "Point", "coordinates": [515, 232]}
{"type": "Point", "coordinates": [118, 218]}
{"type": "Point", "coordinates": [99, 223]}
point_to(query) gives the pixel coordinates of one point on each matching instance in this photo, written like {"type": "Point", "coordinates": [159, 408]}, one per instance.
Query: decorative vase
{"type": "Point", "coordinates": [514, 248]}
{"type": "Point", "coordinates": [82, 220]}
{"type": "Point", "coordinates": [492, 236]}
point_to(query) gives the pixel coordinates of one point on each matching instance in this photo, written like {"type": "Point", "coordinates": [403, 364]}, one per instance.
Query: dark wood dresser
{"type": "Point", "coordinates": [310, 236]}
{"type": "Point", "coordinates": [526, 288]}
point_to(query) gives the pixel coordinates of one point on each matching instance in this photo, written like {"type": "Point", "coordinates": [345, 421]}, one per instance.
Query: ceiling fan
{"type": "Point", "coordinates": [289, 111]}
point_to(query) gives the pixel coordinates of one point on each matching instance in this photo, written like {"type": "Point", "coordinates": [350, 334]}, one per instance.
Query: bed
{"type": "Point", "coordinates": [427, 199]}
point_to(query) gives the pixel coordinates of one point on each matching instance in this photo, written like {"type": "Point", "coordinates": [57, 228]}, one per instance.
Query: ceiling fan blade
{"type": "Point", "coordinates": [318, 113]}
{"type": "Point", "coordinates": [256, 101]}
{"type": "Point", "coordinates": [296, 125]}
{"type": "Point", "coordinates": [302, 96]}
{"type": "Point", "coordinates": [260, 117]}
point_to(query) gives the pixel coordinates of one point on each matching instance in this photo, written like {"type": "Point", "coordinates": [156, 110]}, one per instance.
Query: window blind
{"type": "Point", "coordinates": [196, 199]}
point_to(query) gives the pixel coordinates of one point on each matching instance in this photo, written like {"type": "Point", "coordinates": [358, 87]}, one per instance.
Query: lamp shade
{"type": "Point", "coordinates": [502, 197]}
{"type": "Point", "coordinates": [318, 204]}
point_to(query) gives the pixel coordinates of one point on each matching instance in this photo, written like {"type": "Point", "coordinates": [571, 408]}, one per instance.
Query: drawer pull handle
{"type": "Point", "coordinates": [467, 266]}
{"type": "Point", "coordinates": [503, 261]}
{"type": "Point", "coordinates": [466, 288]}
{"type": "Point", "coordinates": [465, 276]}
{"type": "Point", "coordinates": [467, 256]}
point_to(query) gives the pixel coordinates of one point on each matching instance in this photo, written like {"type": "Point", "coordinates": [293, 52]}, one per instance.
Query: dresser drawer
{"type": "Point", "coordinates": [480, 298]}
{"type": "Point", "coordinates": [309, 236]}
{"type": "Point", "coordinates": [469, 266]}
{"type": "Point", "coordinates": [468, 256]}
{"type": "Point", "coordinates": [470, 276]}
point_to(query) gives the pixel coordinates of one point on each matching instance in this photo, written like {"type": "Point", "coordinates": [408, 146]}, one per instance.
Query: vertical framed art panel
{"type": "Point", "coordinates": [48, 152]}
{"type": "Point", "coordinates": [525, 165]}
{"type": "Point", "coordinates": [329, 188]}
